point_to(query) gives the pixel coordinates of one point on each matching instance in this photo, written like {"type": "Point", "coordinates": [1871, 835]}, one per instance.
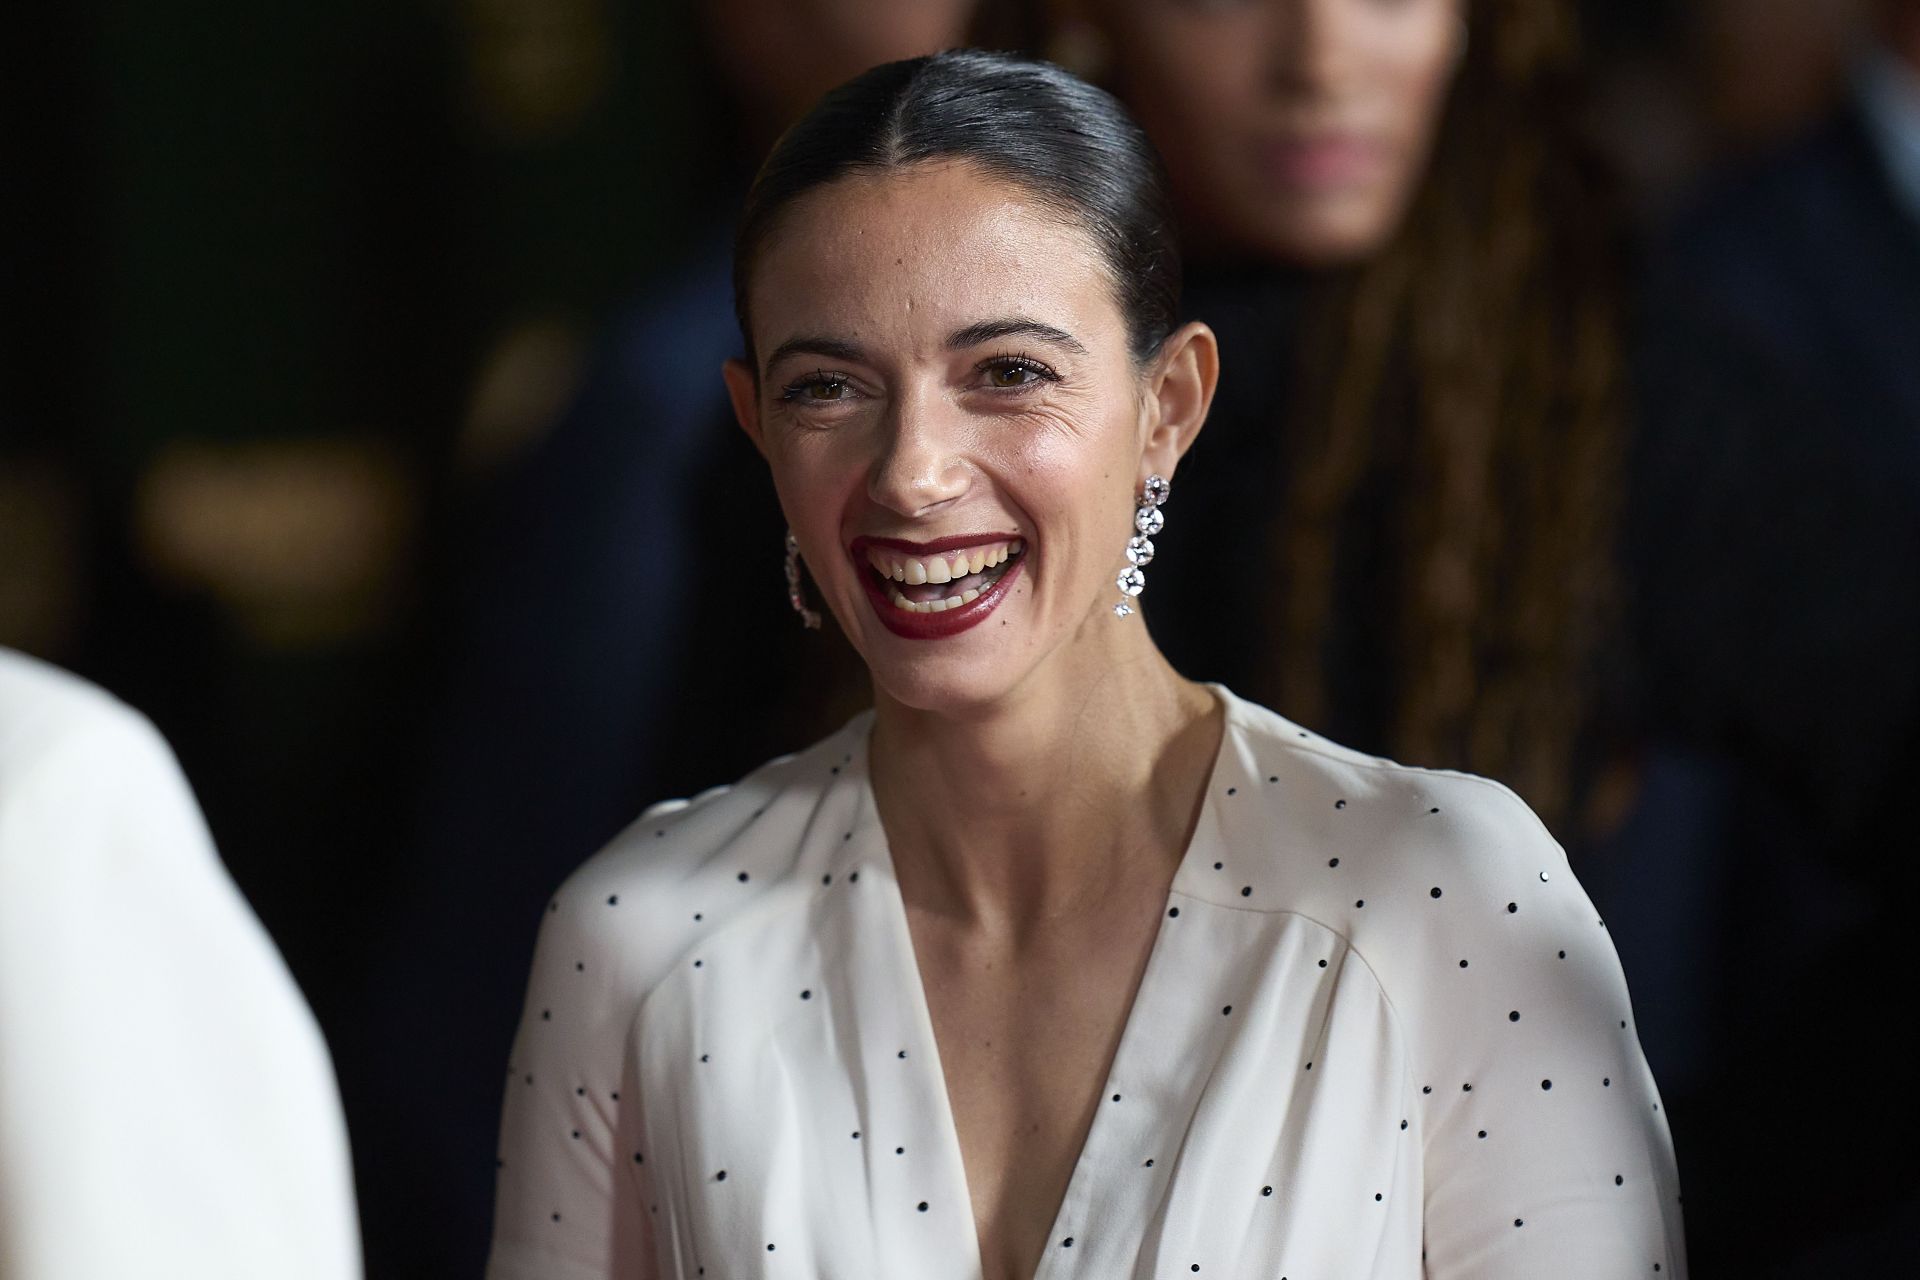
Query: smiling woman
{"type": "Point", "coordinates": [1053, 962]}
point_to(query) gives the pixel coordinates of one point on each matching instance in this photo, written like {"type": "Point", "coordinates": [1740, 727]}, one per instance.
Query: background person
{"type": "Point", "coordinates": [166, 1103]}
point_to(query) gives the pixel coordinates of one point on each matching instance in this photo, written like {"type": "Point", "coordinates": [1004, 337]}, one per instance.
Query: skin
{"type": "Point", "coordinates": [1039, 775]}
{"type": "Point", "coordinates": [1296, 130]}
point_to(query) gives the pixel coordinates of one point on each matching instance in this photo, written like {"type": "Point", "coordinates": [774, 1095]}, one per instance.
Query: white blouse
{"type": "Point", "coordinates": [1381, 1033]}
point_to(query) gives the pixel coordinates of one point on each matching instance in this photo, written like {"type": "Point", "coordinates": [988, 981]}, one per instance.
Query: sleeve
{"type": "Point", "coordinates": [1545, 1149]}
{"type": "Point", "coordinates": [573, 1197]}
{"type": "Point", "coordinates": [167, 1106]}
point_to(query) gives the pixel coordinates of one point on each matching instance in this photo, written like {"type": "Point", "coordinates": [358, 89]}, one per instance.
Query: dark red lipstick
{"type": "Point", "coordinates": [948, 622]}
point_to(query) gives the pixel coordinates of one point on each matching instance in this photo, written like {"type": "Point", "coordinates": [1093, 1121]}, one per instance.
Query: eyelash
{"type": "Point", "coordinates": [797, 389]}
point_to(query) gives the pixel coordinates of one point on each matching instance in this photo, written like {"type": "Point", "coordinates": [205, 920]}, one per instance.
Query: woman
{"type": "Point", "coordinates": [1054, 960]}
{"type": "Point", "coordinates": [1410, 262]}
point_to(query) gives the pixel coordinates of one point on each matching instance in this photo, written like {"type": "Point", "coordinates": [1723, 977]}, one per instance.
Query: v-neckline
{"type": "Point", "coordinates": [920, 1008]}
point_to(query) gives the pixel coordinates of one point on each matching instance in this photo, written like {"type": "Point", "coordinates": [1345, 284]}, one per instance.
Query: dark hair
{"type": "Point", "coordinates": [1070, 146]}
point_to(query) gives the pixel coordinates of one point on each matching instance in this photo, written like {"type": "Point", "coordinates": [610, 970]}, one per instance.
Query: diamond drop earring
{"type": "Point", "coordinates": [1147, 521]}
{"type": "Point", "coordinates": [809, 618]}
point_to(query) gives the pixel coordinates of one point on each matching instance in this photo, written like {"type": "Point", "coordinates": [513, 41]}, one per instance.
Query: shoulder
{"type": "Point", "coordinates": [1310, 791]}
{"type": "Point", "coordinates": [78, 760]}
{"type": "Point", "coordinates": [1413, 866]}
{"type": "Point", "coordinates": [688, 869]}
{"type": "Point", "coordinates": [45, 711]}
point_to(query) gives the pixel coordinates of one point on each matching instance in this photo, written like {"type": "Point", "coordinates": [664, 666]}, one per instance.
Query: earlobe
{"type": "Point", "coordinates": [743, 389]}
{"type": "Point", "coordinates": [1189, 372]}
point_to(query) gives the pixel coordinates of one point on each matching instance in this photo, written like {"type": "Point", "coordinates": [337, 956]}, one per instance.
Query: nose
{"type": "Point", "coordinates": [1308, 43]}
{"type": "Point", "coordinates": [920, 465]}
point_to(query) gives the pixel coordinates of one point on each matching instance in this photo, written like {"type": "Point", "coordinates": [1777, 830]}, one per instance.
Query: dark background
{"type": "Point", "coordinates": [286, 288]}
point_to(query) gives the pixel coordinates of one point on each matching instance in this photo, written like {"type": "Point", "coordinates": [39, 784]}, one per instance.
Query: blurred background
{"type": "Point", "coordinates": [360, 422]}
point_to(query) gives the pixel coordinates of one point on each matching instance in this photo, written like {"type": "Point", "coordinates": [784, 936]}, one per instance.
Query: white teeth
{"type": "Point", "coordinates": [969, 596]}
{"type": "Point", "coordinates": [916, 573]}
{"type": "Point", "coordinates": [940, 569]}
{"type": "Point", "coordinates": [938, 572]}
{"type": "Point", "coordinates": [976, 561]}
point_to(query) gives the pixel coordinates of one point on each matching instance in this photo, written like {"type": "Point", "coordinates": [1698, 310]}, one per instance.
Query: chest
{"type": "Point", "coordinates": [1026, 1038]}
{"type": "Point", "coordinates": [880, 1112]}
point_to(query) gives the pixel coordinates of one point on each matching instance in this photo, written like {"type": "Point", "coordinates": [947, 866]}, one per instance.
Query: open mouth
{"type": "Point", "coordinates": [935, 582]}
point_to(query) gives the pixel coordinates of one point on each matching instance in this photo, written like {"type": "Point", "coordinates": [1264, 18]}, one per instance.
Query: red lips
{"type": "Point", "coordinates": [948, 622]}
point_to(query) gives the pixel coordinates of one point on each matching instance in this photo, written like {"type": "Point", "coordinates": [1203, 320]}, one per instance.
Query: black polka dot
{"type": "Point", "coordinates": [1618, 1180]}
{"type": "Point", "coordinates": [1196, 1266]}
{"type": "Point", "coordinates": [769, 1248]}
{"type": "Point", "coordinates": [1333, 862]}
{"type": "Point", "coordinates": [1517, 1222]}
{"type": "Point", "coordinates": [1463, 964]}
{"type": "Point", "coordinates": [743, 879]}
{"type": "Point", "coordinates": [1067, 1243]}
{"type": "Point", "coordinates": [1546, 1084]}
{"type": "Point", "coordinates": [1309, 1066]}
{"type": "Point", "coordinates": [1149, 1164]}
{"type": "Point", "coordinates": [703, 1057]}
{"type": "Point", "coordinates": [697, 916]}
{"type": "Point", "coordinates": [1323, 964]}
{"type": "Point", "coordinates": [827, 879]}
{"type": "Point", "coordinates": [1218, 865]}
{"type": "Point", "coordinates": [1339, 804]}
{"type": "Point", "coordinates": [1377, 1196]}
{"type": "Point", "coordinates": [923, 1206]}
{"type": "Point", "coordinates": [903, 1053]}
{"type": "Point", "coordinates": [1466, 1088]}
{"type": "Point", "coordinates": [698, 963]}
{"type": "Point", "coordinates": [1174, 912]}
{"type": "Point", "coordinates": [1606, 1082]}
{"type": "Point", "coordinates": [855, 876]}
{"type": "Point", "coordinates": [1403, 1124]}
{"type": "Point", "coordinates": [806, 995]}
{"type": "Point", "coordinates": [1233, 791]}
{"type": "Point", "coordinates": [1359, 902]}
{"type": "Point", "coordinates": [1116, 1097]}
{"type": "Point", "coordinates": [556, 1217]}
{"type": "Point", "coordinates": [1225, 1010]}
{"type": "Point", "coordinates": [1512, 907]}
{"type": "Point", "coordinates": [720, 1176]}
{"type": "Point", "coordinates": [1513, 1016]}
{"type": "Point", "coordinates": [546, 1015]}
{"type": "Point", "coordinates": [856, 1135]}
{"type": "Point", "coordinates": [1246, 891]}
{"type": "Point", "coordinates": [1266, 1191]}
{"type": "Point", "coordinates": [1433, 811]}
{"type": "Point", "coordinates": [899, 1151]}
{"type": "Point", "coordinates": [580, 1092]}
{"type": "Point", "coordinates": [613, 899]}
{"type": "Point", "coordinates": [1434, 892]}
{"type": "Point", "coordinates": [579, 966]}
{"type": "Point", "coordinates": [1426, 1088]}
{"type": "Point", "coordinates": [1273, 777]}
{"type": "Point", "coordinates": [1483, 1133]}
{"type": "Point", "coordinates": [1563, 955]}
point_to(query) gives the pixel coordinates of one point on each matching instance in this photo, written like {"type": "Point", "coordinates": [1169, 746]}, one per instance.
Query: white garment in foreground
{"type": "Point", "coordinates": [1381, 1034]}
{"type": "Point", "coordinates": [167, 1108]}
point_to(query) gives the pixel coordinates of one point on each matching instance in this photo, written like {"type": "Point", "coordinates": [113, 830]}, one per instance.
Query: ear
{"type": "Point", "coordinates": [743, 388]}
{"type": "Point", "coordinates": [1179, 392]}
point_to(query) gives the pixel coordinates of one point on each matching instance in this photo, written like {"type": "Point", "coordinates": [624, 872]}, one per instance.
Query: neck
{"type": "Point", "coordinates": [1039, 804]}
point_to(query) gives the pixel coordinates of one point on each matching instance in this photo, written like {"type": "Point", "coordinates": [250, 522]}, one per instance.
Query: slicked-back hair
{"type": "Point", "coordinates": [1070, 147]}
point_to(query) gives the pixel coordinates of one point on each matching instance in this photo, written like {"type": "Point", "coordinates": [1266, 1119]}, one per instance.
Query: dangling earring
{"type": "Point", "coordinates": [808, 617]}
{"type": "Point", "coordinates": [1147, 521]}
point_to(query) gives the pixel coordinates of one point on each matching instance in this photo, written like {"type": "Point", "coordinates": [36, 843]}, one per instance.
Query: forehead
{"type": "Point", "coordinates": [902, 257]}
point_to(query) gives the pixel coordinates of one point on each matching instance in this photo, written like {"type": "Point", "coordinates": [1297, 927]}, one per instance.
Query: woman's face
{"type": "Point", "coordinates": [1293, 129]}
{"type": "Point", "coordinates": [956, 427]}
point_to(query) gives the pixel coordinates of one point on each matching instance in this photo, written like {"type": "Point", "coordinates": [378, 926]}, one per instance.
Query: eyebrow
{"type": "Point", "coordinates": [960, 339]}
{"type": "Point", "coordinates": [1012, 327]}
{"type": "Point", "coordinates": [833, 348]}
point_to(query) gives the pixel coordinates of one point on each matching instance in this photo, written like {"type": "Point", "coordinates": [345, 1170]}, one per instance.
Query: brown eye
{"type": "Point", "coordinates": [825, 390]}
{"type": "Point", "coordinates": [1009, 375]}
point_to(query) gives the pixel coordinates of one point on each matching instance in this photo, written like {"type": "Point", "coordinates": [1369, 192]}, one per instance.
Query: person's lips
{"type": "Point", "coordinates": [931, 590]}
{"type": "Point", "coordinates": [1319, 161]}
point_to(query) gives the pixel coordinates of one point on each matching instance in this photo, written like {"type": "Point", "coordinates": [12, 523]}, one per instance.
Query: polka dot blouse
{"type": "Point", "coordinates": [1382, 1034]}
